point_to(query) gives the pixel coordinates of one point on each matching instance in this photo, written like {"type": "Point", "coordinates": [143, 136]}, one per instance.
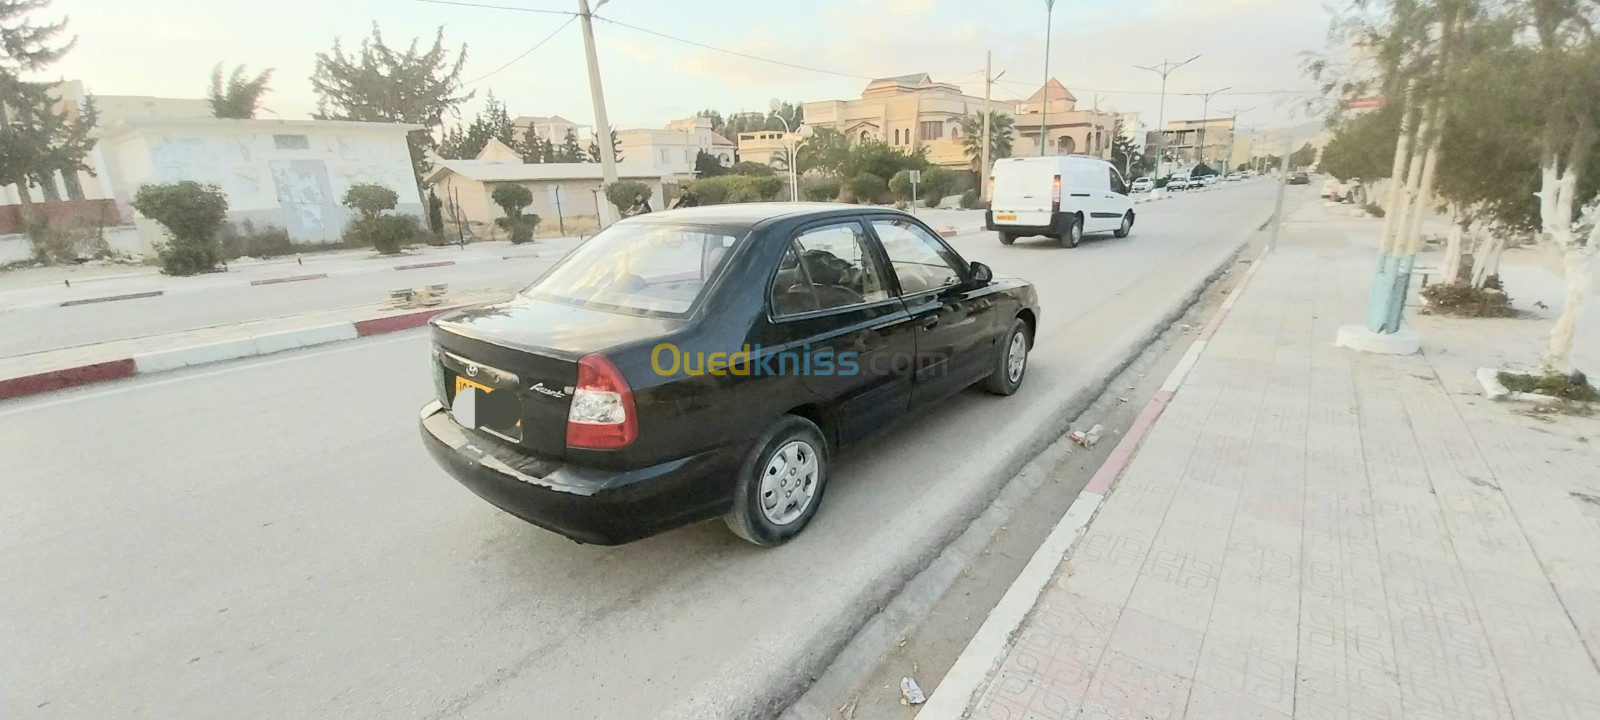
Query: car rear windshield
{"type": "Point", "coordinates": [641, 268]}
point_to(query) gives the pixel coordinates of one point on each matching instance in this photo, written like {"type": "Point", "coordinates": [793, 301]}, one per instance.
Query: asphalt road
{"type": "Point", "coordinates": [268, 538]}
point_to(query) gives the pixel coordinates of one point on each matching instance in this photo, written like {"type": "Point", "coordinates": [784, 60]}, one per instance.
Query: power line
{"type": "Point", "coordinates": [1035, 86]}
{"type": "Point", "coordinates": [731, 52]}
{"type": "Point", "coordinates": [524, 54]}
{"type": "Point", "coordinates": [499, 7]}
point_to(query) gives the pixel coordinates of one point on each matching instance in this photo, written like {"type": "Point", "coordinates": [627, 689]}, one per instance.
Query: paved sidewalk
{"type": "Point", "coordinates": [1309, 532]}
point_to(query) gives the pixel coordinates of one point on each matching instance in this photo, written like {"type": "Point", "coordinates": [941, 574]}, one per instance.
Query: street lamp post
{"type": "Point", "coordinates": [1164, 69]}
{"type": "Point", "coordinates": [1044, 107]}
{"type": "Point", "coordinates": [804, 131]}
{"type": "Point", "coordinates": [1205, 120]}
{"type": "Point", "coordinates": [1233, 138]}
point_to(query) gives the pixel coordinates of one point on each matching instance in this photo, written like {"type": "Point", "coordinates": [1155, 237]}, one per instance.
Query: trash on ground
{"type": "Point", "coordinates": [910, 694]}
{"type": "Point", "coordinates": [1093, 436]}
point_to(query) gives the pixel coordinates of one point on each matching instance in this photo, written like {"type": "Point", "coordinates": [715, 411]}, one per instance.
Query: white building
{"type": "Point", "coordinates": [289, 173]}
{"type": "Point", "coordinates": [673, 150]}
{"type": "Point", "coordinates": [553, 128]}
{"type": "Point", "coordinates": [566, 196]}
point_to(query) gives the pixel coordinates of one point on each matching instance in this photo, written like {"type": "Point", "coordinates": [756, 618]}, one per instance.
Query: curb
{"type": "Point", "coordinates": [110, 298]}
{"type": "Point", "coordinates": [983, 654]}
{"type": "Point", "coordinates": [163, 360]}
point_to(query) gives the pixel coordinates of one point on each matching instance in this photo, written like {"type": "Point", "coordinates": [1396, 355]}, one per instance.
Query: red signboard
{"type": "Point", "coordinates": [1364, 103]}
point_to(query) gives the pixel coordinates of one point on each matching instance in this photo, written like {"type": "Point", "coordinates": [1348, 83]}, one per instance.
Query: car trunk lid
{"type": "Point", "coordinates": [530, 349]}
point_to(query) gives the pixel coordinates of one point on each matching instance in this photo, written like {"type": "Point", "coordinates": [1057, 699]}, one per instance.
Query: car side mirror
{"type": "Point", "coordinates": [981, 274]}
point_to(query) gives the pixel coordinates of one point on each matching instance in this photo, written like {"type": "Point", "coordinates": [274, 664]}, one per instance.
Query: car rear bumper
{"type": "Point", "coordinates": [589, 505]}
{"type": "Point", "coordinates": [1028, 223]}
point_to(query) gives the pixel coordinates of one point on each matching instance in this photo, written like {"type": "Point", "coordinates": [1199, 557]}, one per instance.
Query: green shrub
{"type": "Point", "coordinates": [385, 233]}
{"type": "Point", "coordinates": [370, 199]}
{"type": "Point", "coordinates": [622, 192]}
{"type": "Point", "coordinates": [1374, 210]}
{"type": "Point", "coordinates": [435, 213]}
{"type": "Point", "coordinates": [736, 189]}
{"type": "Point", "coordinates": [937, 182]}
{"type": "Point", "coordinates": [900, 185]}
{"type": "Point", "coordinates": [761, 189]}
{"type": "Point", "coordinates": [823, 189]}
{"type": "Point", "coordinates": [866, 187]}
{"type": "Point", "coordinates": [970, 200]}
{"type": "Point", "coordinates": [512, 199]}
{"type": "Point", "coordinates": [520, 227]}
{"type": "Point", "coordinates": [192, 214]}
{"type": "Point", "coordinates": [711, 190]}
{"type": "Point", "coordinates": [753, 169]}
{"type": "Point", "coordinates": [67, 242]}
{"type": "Point", "coordinates": [245, 240]}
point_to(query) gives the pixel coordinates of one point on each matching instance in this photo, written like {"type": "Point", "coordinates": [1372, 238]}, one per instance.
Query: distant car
{"type": "Point", "coordinates": [1299, 177]}
{"type": "Point", "coordinates": [1208, 180]}
{"type": "Point", "coordinates": [1143, 184]}
{"type": "Point", "coordinates": [692, 363]}
{"type": "Point", "coordinates": [1178, 182]}
{"type": "Point", "coordinates": [1062, 197]}
{"type": "Point", "coordinates": [1235, 176]}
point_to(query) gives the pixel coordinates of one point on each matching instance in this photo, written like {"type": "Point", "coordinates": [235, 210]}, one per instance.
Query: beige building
{"type": "Point", "coordinates": [769, 147]}
{"type": "Point", "coordinates": [909, 112]}
{"type": "Point", "coordinates": [673, 150]}
{"type": "Point", "coordinates": [553, 128]}
{"type": "Point", "coordinates": [1211, 140]}
{"type": "Point", "coordinates": [1067, 130]}
{"type": "Point", "coordinates": [566, 196]}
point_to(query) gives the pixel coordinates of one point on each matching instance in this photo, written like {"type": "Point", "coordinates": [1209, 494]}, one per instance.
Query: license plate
{"type": "Point", "coordinates": [463, 383]}
{"type": "Point", "coordinates": [1006, 216]}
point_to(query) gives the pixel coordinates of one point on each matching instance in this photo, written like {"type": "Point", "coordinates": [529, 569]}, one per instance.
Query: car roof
{"type": "Point", "coordinates": [752, 214]}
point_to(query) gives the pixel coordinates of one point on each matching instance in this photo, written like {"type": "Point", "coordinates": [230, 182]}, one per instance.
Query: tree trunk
{"type": "Point", "coordinates": [1486, 257]}
{"type": "Point", "coordinates": [1549, 180]}
{"type": "Point", "coordinates": [1450, 272]}
{"type": "Point", "coordinates": [1580, 278]}
{"type": "Point", "coordinates": [24, 202]}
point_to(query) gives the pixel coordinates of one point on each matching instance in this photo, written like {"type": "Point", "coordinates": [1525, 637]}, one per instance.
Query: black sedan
{"type": "Point", "coordinates": [708, 362]}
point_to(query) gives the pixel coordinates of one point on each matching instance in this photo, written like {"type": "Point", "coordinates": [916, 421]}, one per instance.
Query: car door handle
{"type": "Point", "coordinates": [930, 322]}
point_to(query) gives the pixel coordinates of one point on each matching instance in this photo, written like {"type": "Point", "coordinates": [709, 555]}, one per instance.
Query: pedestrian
{"type": "Point", "coordinates": [640, 206]}
{"type": "Point", "coordinates": [686, 199]}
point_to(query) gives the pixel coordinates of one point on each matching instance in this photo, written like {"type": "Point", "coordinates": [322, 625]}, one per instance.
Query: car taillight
{"type": "Point", "coordinates": [1055, 194]}
{"type": "Point", "coordinates": [991, 188]}
{"type": "Point", "coordinates": [602, 416]}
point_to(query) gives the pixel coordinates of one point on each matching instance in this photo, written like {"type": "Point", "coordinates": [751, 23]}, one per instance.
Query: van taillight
{"type": "Point", "coordinates": [602, 415]}
{"type": "Point", "coordinates": [1055, 194]}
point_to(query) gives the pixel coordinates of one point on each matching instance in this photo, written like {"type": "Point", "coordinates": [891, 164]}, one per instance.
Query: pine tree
{"type": "Point", "coordinates": [570, 151]}
{"type": "Point", "coordinates": [616, 149]}
{"type": "Point", "coordinates": [39, 135]}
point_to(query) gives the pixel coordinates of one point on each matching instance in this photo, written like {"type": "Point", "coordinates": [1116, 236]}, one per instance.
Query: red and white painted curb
{"type": "Point", "coordinates": [162, 360]}
{"type": "Point", "coordinates": [983, 655]}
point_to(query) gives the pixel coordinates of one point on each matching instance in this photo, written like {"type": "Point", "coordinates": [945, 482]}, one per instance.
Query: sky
{"type": "Point", "coordinates": [167, 48]}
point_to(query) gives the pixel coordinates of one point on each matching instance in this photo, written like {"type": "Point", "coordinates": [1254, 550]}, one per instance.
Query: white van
{"type": "Point", "coordinates": [1061, 197]}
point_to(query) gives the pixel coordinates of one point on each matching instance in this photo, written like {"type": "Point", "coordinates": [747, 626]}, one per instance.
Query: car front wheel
{"type": "Point", "coordinates": [780, 483]}
{"type": "Point", "coordinates": [1127, 226]}
{"type": "Point", "coordinates": [1011, 363]}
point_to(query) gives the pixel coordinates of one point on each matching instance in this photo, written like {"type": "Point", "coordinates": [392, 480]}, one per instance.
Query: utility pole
{"type": "Point", "coordinates": [1044, 108]}
{"type": "Point", "coordinates": [1164, 69]}
{"type": "Point", "coordinates": [1283, 183]}
{"type": "Point", "coordinates": [1233, 131]}
{"type": "Point", "coordinates": [608, 155]}
{"type": "Point", "coordinates": [1205, 120]}
{"type": "Point", "coordinates": [988, 86]}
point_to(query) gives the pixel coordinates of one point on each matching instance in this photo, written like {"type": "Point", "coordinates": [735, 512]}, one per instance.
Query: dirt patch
{"type": "Point", "coordinates": [1463, 300]}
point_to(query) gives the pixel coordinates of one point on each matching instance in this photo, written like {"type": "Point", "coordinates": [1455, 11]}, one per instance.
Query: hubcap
{"type": "Point", "coordinates": [1077, 232]}
{"type": "Point", "coordinates": [1127, 224]}
{"type": "Point", "coordinates": [789, 482]}
{"type": "Point", "coordinates": [1016, 357]}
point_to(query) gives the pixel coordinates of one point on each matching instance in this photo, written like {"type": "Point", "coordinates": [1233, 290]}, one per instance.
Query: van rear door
{"type": "Point", "coordinates": [1023, 191]}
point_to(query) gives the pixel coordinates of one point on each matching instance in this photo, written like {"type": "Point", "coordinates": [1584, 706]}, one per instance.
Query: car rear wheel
{"type": "Point", "coordinates": [1127, 226]}
{"type": "Point", "coordinates": [1074, 233]}
{"type": "Point", "coordinates": [780, 483]}
{"type": "Point", "coordinates": [1011, 363]}
{"type": "Point", "coordinates": [1007, 238]}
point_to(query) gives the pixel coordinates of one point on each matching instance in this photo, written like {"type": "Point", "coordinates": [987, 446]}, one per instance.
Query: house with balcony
{"type": "Point", "coordinates": [909, 112]}
{"type": "Point", "coordinates": [1066, 129]}
{"type": "Point", "coordinates": [672, 150]}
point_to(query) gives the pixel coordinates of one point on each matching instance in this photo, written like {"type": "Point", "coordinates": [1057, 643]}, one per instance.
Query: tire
{"type": "Point", "coordinates": [1127, 226]}
{"type": "Point", "coordinates": [793, 442]}
{"type": "Point", "coordinates": [1074, 233]}
{"type": "Point", "coordinates": [1007, 238]}
{"type": "Point", "coordinates": [1006, 378]}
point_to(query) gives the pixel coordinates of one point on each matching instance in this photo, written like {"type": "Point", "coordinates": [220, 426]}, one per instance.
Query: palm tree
{"type": "Point", "coordinates": [240, 97]}
{"type": "Point", "coordinates": [999, 140]}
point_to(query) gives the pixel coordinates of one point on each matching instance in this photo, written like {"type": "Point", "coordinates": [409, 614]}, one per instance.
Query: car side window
{"type": "Point", "coordinates": [920, 261]}
{"type": "Point", "coordinates": [826, 268]}
{"type": "Point", "coordinates": [1117, 185]}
